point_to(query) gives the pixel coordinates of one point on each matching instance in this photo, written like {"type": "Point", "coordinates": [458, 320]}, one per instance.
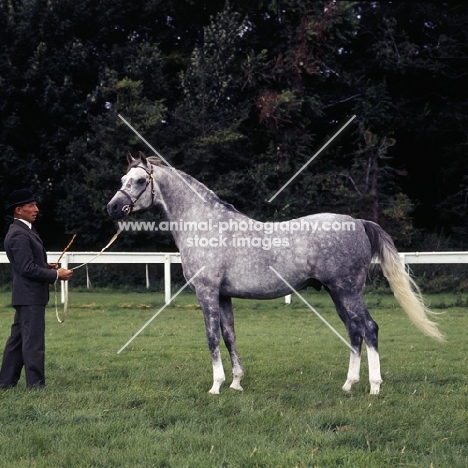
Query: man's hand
{"type": "Point", "coordinates": [64, 275]}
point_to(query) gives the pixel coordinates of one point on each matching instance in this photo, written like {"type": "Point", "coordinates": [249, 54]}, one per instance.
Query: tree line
{"type": "Point", "coordinates": [240, 95]}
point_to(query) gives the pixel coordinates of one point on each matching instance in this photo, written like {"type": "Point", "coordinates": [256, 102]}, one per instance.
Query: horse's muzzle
{"type": "Point", "coordinates": [117, 210]}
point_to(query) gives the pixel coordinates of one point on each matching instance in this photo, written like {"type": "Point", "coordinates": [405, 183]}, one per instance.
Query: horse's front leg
{"type": "Point", "coordinates": [218, 371]}
{"type": "Point", "coordinates": [211, 311]}
{"type": "Point", "coordinates": [229, 337]}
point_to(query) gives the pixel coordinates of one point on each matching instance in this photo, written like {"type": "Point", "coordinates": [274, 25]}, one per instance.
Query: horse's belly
{"type": "Point", "coordinates": [262, 283]}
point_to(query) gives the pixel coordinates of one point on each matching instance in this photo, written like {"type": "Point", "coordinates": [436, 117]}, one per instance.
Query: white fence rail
{"type": "Point", "coordinates": [71, 259]}
{"type": "Point", "coordinates": [167, 258]}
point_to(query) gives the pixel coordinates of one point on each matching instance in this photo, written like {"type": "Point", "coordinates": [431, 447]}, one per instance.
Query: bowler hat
{"type": "Point", "coordinates": [20, 197]}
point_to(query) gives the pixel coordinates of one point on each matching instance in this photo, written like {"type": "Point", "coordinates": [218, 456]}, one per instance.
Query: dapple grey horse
{"type": "Point", "coordinates": [244, 258]}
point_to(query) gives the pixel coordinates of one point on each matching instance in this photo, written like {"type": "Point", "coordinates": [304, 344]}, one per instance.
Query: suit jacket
{"type": "Point", "coordinates": [28, 258]}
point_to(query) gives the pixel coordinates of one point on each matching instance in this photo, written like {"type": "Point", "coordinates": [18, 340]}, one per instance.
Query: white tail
{"type": "Point", "coordinates": [406, 291]}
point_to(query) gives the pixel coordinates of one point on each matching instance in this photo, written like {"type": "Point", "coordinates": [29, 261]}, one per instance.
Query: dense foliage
{"type": "Point", "coordinates": [240, 95]}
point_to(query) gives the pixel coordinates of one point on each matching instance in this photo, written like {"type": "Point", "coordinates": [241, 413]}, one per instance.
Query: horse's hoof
{"type": "Point", "coordinates": [349, 385]}
{"type": "Point", "coordinates": [215, 389]}
{"type": "Point", "coordinates": [375, 388]}
{"type": "Point", "coordinates": [236, 386]}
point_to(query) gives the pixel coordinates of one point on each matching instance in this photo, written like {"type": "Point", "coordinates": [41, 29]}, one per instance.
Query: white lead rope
{"type": "Point", "coordinates": [105, 248]}
{"type": "Point", "coordinates": [65, 303]}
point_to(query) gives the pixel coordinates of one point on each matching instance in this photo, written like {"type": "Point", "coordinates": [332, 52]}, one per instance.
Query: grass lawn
{"type": "Point", "coordinates": [149, 406]}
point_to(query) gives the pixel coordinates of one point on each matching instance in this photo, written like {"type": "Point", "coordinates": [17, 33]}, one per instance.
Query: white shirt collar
{"type": "Point", "coordinates": [25, 222]}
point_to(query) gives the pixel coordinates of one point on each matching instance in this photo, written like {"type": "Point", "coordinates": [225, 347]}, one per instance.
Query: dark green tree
{"type": "Point", "coordinates": [64, 64]}
{"type": "Point", "coordinates": [240, 95]}
{"type": "Point", "coordinates": [215, 104]}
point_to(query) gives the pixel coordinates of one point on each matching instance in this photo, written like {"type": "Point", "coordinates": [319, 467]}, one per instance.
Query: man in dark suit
{"type": "Point", "coordinates": [31, 278]}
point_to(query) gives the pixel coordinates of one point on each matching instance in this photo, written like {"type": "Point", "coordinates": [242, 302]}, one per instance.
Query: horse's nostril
{"type": "Point", "coordinates": [112, 208]}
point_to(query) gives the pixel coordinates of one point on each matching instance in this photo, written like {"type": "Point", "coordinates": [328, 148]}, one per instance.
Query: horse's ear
{"type": "Point", "coordinates": [143, 158]}
{"type": "Point", "coordinates": [130, 158]}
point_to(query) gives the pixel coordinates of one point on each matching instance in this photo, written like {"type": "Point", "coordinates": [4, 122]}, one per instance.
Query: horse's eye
{"type": "Point", "coordinates": [140, 181]}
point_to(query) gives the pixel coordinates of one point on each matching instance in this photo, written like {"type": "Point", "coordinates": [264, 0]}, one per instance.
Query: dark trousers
{"type": "Point", "coordinates": [25, 347]}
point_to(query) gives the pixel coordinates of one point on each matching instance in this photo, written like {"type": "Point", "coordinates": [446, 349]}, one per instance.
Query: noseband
{"type": "Point", "coordinates": [127, 209]}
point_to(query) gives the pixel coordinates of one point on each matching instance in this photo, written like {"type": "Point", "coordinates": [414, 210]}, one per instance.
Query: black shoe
{"type": "Point", "coordinates": [7, 387]}
{"type": "Point", "coordinates": [38, 385]}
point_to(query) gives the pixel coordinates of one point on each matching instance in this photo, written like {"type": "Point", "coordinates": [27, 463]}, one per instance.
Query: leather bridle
{"type": "Point", "coordinates": [127, 209]}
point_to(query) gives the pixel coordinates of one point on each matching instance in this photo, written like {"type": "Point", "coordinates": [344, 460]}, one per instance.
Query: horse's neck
{"type": "Point", "coordinates": [184, 197]}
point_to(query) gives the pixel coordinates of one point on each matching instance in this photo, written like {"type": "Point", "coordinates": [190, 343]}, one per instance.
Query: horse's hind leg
{"type": "Point", "coordinates": [354, 361]}
{"type": "Point", "coordinates": [360, 325]}
{"type": "Point", "coordinates": [229, 337]}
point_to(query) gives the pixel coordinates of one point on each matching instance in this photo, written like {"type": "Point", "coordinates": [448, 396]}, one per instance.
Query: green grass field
{"type": "Point", "coordinates": [149, 406]}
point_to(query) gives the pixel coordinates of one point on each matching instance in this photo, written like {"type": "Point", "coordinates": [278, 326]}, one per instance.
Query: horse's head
{"type": "Point", "coordinates": [138, 188]}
